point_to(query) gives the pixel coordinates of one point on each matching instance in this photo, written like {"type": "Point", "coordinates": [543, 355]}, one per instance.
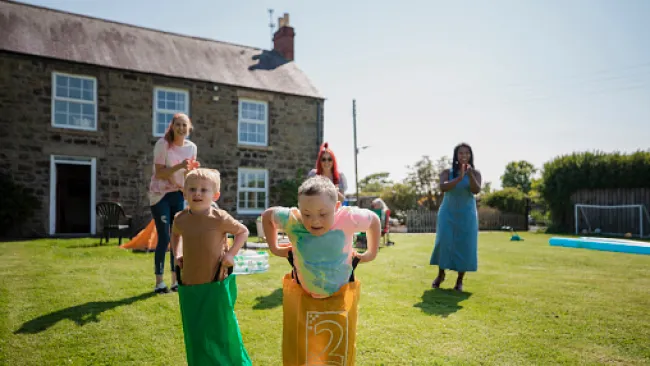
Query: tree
{"type": "Point", "coordinates": [510, 200]}
{"type": "Point", "coordinates": [400, 197]}
{"type": "Point", "coordinates": [518, 174]}
{"type": "Point", "coordinates": [425, 178]}
{"type": "Point", "coordinates": [487, 188]}
{"type": "Point", "coordinates": [375, 182]}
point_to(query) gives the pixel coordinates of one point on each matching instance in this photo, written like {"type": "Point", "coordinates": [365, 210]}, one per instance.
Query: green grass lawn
{"type": "Point", "coordinates": [68, 302]}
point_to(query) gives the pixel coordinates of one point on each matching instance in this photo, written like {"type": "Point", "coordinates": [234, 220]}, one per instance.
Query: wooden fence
{"type": "Point", "coordinates": [423, 221]}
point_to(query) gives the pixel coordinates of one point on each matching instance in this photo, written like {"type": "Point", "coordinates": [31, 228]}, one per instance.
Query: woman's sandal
{"type": "Point", "coordinates": [459, 287]}
{"type": "Point", "coordinates": [436, 283]}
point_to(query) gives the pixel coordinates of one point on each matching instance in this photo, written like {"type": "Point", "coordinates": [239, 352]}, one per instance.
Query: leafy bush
{"type": "Point", "coordinates": [568, 174]}
{"type": "Point", "coordinates": [286, 192]}
{"type": "Point", "coordinates": [510, 200]}
{"type": "Point", "coordinates": [18, 205]}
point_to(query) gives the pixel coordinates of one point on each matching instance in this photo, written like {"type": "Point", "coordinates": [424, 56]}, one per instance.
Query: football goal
{"type": "Point", "coordinates": [616, 220]}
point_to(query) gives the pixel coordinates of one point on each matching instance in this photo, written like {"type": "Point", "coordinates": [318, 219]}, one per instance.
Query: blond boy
{"type": "Point", "coordinates": [203, 228]}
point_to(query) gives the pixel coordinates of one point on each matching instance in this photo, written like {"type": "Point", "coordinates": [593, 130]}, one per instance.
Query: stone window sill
{"type": "Point", "coordinates": [253, 147]}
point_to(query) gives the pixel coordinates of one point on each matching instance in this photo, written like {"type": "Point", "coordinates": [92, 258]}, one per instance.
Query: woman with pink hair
{"type": "Point", "coordinates": [326, 166]}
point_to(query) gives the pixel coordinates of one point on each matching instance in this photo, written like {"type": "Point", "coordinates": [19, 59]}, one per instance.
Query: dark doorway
{"type": "Point", "coordinates": [72, 198]}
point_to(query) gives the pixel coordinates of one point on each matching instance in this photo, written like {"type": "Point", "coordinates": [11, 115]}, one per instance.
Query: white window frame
{"type": "Point", "coordinates": [155, 109]}
{"type": "Point", "coordinates": [82, 101]}
{"type": "Point", "coordinates": [73, 160]}
{"type": "Point", "coordinates": [265, 190]}
{"type": "Point", "coordinates": [240, 119]}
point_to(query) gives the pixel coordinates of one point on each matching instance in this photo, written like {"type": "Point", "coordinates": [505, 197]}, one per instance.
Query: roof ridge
{"type": "Point", "coordinates": [130, 25]}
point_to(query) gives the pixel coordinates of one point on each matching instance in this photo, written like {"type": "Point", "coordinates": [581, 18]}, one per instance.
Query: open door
{"type": "Point", "coordinates": [72, 195]}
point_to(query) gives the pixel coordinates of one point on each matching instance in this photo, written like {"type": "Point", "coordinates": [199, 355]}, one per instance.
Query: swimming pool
{"type": "Point", "coordinates": [605, 244]}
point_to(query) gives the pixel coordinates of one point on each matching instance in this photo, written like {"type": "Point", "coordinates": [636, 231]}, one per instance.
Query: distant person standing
{"type": "Point", "coordinates": [456, 246]}
{"type": "Point", "coordinates": [326, 166]}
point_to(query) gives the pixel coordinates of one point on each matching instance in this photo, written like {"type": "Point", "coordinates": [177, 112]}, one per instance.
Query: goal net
{"type": "Point", "coordinates": [617, 220]}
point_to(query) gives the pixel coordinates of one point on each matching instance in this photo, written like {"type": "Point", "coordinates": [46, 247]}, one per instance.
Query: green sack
{"type": "Point", "coordinates": [210, 327]}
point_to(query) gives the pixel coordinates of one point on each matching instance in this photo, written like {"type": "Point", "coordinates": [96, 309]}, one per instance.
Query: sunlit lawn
{"type": "Point", "coordinates": [68, 302]}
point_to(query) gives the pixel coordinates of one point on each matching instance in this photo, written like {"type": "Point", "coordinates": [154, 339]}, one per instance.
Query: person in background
{"type": "Point", "coordinates": [173, 156]}
{"type": "Point", "coordinates": [456, 246]}
{"type": "Point", "coordinates": [326, 166]}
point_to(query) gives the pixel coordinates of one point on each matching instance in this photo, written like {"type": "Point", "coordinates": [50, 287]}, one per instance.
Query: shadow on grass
{"type": "Point", "coordinates": [270, 301]}
{"type": "Point", "coordinates": [80, 314]}
{"type": "Point", "coordinates": [442, 302]}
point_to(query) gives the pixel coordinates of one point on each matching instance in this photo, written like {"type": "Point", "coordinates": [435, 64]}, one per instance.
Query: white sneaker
{"type": "Point", "coordinates": [161, 288]}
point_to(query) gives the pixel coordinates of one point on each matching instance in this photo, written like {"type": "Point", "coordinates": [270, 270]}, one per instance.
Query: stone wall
{"type": "Point", "coordinates": [123, 143]}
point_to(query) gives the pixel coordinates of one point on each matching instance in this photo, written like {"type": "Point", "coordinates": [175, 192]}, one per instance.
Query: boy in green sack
{"type": "Point", "coordinates": [207, 293]}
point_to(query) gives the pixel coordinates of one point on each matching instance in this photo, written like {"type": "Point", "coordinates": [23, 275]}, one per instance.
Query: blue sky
{"type": "Point", "coordinates": [516, 79]}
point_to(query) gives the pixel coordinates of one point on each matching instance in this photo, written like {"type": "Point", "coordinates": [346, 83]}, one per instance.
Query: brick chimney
{"type": "Point", "coordinates": [283, 38]}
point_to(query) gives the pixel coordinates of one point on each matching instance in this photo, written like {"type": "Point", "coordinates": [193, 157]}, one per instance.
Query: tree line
{"type": "Point", "coordinates": [547, 189]}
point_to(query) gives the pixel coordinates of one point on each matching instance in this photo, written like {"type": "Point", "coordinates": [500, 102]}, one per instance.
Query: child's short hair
{"type": "Point", "coordinates": [211, 175]}
{"type": "Point", "coordinates": [318, 185]}
{"type": "Point", "coordinates": [381, 203]}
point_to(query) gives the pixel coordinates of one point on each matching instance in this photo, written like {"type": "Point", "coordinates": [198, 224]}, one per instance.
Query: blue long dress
{"type": "Point", "coordinates": [456, 246]}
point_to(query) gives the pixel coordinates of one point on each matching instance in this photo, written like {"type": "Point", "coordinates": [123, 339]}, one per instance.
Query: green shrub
{"type": "Point", "coordinates": [510, 200]}
{"type": "Point", "coordinates": [18, 205]}
{"type": "Point", "coordinates": [568, 174]}
{"type": "Point", "coordinates": [286, 192]}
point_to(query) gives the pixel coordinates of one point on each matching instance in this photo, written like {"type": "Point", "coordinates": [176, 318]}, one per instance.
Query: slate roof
{"type": "Point", "coordinates": [38, 31]}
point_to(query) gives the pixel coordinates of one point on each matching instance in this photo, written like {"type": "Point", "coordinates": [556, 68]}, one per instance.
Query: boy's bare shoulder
{"type": "Point", "coordinates": [182, 215]}
{"type": "Point", "coordinates": [220, 214]}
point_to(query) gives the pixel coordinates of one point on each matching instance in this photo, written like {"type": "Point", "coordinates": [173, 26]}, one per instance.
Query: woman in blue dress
{"type": "Point", "coordinates": [457, 225]}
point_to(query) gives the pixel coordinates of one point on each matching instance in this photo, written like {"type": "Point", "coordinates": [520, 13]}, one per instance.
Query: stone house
{"type": "Point", "coordinates": [83, 101]}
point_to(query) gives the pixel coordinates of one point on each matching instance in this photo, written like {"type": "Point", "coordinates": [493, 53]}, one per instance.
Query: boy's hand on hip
{"type": "Point", "coordinates": [226, 262]}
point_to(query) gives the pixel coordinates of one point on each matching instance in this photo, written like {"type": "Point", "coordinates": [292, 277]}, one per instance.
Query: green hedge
{"type": "Point", "coordinates": [510, 200]}
{"type": "Point", "coordinates": [568, 174]}
{"type": "Point", "coordinates": [18, 205]}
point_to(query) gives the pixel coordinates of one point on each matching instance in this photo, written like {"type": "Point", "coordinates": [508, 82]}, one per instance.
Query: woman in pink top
{"type": "Point", "coordinates": [173, 155]}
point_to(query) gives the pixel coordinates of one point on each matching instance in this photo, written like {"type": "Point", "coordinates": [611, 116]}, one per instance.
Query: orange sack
{"type": "Point", "coordinates": [319, 331]}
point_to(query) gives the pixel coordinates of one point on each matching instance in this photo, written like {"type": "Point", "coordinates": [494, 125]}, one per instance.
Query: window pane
{"type": "Point", "coordinates": [88, 95]}
{"type": "Point", "coordinates": [260, 180]}
{"type": "Point", "coordinates": [75, 93]}
{"type": "Point", "coordinates": [242, 200]}
{"type": "Point", "coordinates": [75, 83]}
{"type": "Point", "coordinates": [60, 107]}
{"type": "Point", "coordinates": [88, 109]}
{"type": "Point", "coordinates": [84, 121]}
{"type": "Point", "coordinates": [74, 120]}
{"type": "Point", "coordinates": [242, 180]}
{"type": "Point", "coordinates": [261, 200]}
{"type": "Point", "coordinates": [89, 85]}
{"type": "Point", "coordinates": [251, 180]}
{"type": "Point", "coordinates": [161, 118]}
{"type": "Point", "coordinates": [74, 108]}
{"type": "Point", "coordinates": [180, 102]}
{"type": "Point", "coordinates": [61, 91]}
{"type": "Point", "coordinates": [60, 119]}
{"type": "Point", "coordinates": [62, 81]}
{"type": "Point", "coordinates": [251, 199]}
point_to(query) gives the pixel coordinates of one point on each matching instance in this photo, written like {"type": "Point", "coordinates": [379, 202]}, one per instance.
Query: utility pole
{"type": "Point", "coordinates": [356, 150]}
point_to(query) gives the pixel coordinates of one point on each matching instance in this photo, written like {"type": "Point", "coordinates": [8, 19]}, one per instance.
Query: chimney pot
{"type": "Point", "coordinates": [283, 39]}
